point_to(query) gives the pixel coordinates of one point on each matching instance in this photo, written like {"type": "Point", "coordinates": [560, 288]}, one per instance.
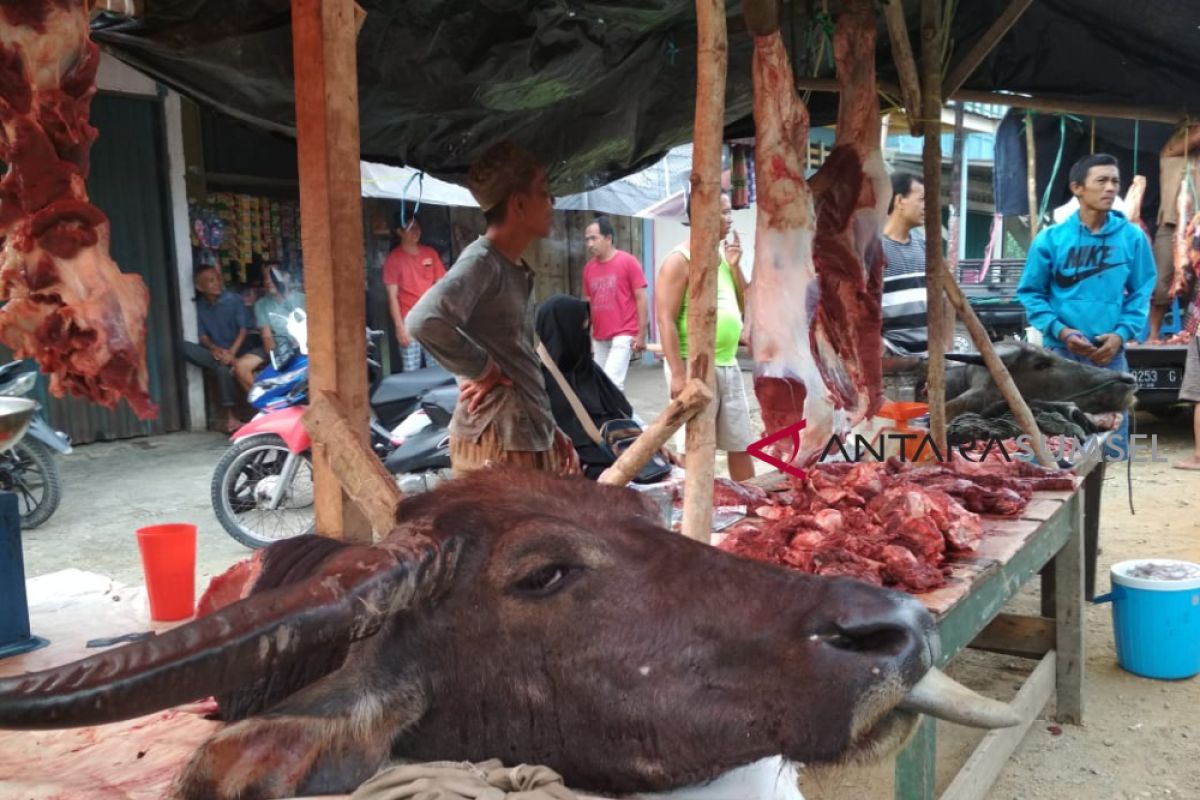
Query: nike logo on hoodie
{"type": "Point", "coordinates": [1084, 261]}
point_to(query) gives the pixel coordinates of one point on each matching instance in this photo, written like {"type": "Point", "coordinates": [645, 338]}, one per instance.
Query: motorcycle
{"type": "Point", "coordinates": [29, 468]}
{"type": "Point", "coordinates": [262, 488]}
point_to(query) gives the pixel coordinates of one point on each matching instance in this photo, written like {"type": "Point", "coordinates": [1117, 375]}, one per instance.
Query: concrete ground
{"type": "Point", "coordinates": [111, 489]}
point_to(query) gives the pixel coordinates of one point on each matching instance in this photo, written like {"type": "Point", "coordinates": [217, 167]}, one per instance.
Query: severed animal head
{"type": "Point", "coordinates": [1039, 374]}
{"type": "Point", "coordinates": [527, 618]}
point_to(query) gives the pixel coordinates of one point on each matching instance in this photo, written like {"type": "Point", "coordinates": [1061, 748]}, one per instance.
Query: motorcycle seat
{"type": "Point", "coordinates": [406, 386]}
{"type": "Point", "coordinates": [439, 404]}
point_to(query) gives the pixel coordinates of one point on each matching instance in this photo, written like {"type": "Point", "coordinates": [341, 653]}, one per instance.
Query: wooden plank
{"type": "Point", "coordinates": [326, 83]}
{"type": "Point", "coordinates": [1016, 635]}
{"type": "Point", "coordinates": [975, 779]}
{"type": "Point", "coordinates": [932, 37]}
{"type": "Point", "coordinates": [1072, 658]}
{"type": "Point", "coordinates": [712, 57]}
{"type": "Point", "coordinates": [358, 468]}
{"type": "Point", "coordinates": [1041, 507]}
{"type": "Point", "coordinates": [970, 62]}
{"type": "Point", "coordinates": [960, 624]}
{"type": "Point", "coordinates": [906, 66]}
{"type": "Point", "coordinates": [916, 764]}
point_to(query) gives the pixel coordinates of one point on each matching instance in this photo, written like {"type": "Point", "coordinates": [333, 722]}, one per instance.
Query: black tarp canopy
{"type": "Point", "coordinates": [599, 88]}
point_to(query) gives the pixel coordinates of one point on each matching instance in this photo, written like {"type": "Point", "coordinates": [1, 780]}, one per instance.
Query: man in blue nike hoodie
{"type": "Point", "coordinates": [1087, 281]}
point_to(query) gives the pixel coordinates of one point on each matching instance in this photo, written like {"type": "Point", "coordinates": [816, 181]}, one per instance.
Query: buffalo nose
{"type": "Point", "coordinates": [899, 628]}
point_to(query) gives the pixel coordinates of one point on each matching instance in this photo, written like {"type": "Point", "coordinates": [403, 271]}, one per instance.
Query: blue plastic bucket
{"type": "Point", "coordinates": [1156, 619]}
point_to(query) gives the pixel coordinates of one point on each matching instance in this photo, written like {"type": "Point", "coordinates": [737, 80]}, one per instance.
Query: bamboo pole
{"type": "Point", "coordinates": [957, 211]}
{"type": "Point", "coordinates": [906, 66]}
{"type": "Point", "coordinates": [984, 45]}
{"type": "Point", "coordinates": [931, 93]}
{"type": "Point", "coordinates": [694, 397]}
{"type": "Point", "coordinates": [999, 372]}
{"type": "Point", "coordinates": [327, 139]}
{"type": "Point", "coordinates": [712, 55]}
{"type": "Point", "coordinates": [1031, 176]}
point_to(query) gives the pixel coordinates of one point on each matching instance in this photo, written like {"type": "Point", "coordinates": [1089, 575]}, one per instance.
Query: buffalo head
{"type": "Point", "coordinates": [529, 618]}
{"type": "Point", "coordinates": [1039, 374]}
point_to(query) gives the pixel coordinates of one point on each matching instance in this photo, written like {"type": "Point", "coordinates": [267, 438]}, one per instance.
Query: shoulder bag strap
{"type": "Point", "coordinates": [585, 420]}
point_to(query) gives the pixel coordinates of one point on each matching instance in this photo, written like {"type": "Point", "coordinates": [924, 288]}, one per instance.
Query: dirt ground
{"type": "Point", "coordinates": [1141, 737]}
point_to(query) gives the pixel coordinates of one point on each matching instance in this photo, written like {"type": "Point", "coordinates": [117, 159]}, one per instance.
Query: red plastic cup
{"type": "Point", "coordinates": [169, 563]}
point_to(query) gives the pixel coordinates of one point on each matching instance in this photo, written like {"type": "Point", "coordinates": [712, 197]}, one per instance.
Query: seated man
{"type": "Point", "coordinates": [272, 309]}
{"type": "Point", "coordinates": [223, 351]}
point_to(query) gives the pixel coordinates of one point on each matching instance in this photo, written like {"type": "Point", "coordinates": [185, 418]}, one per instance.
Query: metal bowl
{"type": "Point", "coordinates": [15, 416]}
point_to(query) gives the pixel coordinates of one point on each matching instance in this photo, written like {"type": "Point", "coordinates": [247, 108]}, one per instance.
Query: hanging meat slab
{"type": "Point", "coordinates": [67, 305]}
{"type": "Point", "coordinates": [814, 305]}
{"type": "Point", "coordinates": [1183, 207]}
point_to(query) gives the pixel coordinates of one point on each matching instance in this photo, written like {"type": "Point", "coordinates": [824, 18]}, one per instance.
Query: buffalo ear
{"type": "Point", "coordinates": [966, 358]}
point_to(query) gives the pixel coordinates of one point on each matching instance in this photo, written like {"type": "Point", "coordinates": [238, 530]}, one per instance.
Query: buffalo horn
{"type": "Point", "coordinates": [354, 593]}
{"type": "Point", "coordinates": [966, 358]}
{"type": "Point", "coordinates": [940, 696]}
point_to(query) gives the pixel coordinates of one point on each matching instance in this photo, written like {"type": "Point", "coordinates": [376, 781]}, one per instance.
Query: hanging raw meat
{"type": "Point", "coordinates": [68, 305]}
{"type": "Point", "coordinates": [1133, 203]}
{"type": "Point", "coordinates": [814, 303]}
{"type": "Point", "coordinates": [1183, 240]}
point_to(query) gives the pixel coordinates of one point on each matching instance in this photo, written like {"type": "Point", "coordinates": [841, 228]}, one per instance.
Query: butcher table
{"type": "Point", "coordinates": [1048, 537]}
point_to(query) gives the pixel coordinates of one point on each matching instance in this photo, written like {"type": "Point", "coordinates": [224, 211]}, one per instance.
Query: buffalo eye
{"type": "Point", "coordinates": [545, 581]}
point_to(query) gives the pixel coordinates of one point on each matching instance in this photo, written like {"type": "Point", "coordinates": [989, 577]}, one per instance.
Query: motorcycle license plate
{"type": "Point", "coordinates": [1159, 377]}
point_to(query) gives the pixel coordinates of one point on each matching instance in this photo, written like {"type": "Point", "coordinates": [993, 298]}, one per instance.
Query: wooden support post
{"type": "Point", "coordinates": [326, 80]}
{"type": "Point", "coordinates": [712, 55]}
{"type": "Point", "coordinates": [999, 373]}
{"type": "Point", "coordinates": [957, 210]}
{"type": "Point", "coordinates": [694, 397]}
{"type": "Point", "coordinates": [1070, 624]}
{"type": "Point", "coordinates": [985, 44]}
{"type": "Point", "coordinates": [931, 94]}
{"type": "Point", "coordinates": [906, 66]}
{"type": "Point", "coordinates": [358, 470]}
{"type": "Point", "coordinates": [1031, 177]}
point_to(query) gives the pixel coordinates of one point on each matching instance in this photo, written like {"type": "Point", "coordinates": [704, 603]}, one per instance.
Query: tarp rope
{"type": "Point", "coordinates": [1062, 142]}
{"type": "Point", "coordinates": [1137, 124]}
{"type": "Point", "coordinates": [419, 177]}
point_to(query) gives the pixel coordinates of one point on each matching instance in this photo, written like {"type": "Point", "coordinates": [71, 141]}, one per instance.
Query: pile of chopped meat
{"type": "Point", "coordinates": [890, 524]}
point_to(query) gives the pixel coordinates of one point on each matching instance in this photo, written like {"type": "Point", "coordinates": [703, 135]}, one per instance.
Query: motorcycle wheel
{"type": "Point", "coordinates": [29, 470]}
{"type": "Point", "coordinates": [242, 484]}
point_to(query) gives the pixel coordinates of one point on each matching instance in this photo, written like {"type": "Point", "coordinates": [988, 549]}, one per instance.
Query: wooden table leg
{"type": "Point", "coordinates": [1093, 487]}
{"type": "Point", "coordinates": [1069, 623]}
{"type": "Point", "coordinates": [916, 765]}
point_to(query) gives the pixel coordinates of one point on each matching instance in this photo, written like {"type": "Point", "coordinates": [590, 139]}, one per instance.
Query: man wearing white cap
{"type": "Point", "coordinates": [475, 322]}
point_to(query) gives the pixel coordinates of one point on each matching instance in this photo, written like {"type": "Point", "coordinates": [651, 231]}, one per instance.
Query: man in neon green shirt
{"type": "Point", "coordinates": [734, 434]}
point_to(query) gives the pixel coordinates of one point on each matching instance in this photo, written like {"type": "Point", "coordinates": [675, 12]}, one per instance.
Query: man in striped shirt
{"type": "Point", "coordinates": [904, 319]}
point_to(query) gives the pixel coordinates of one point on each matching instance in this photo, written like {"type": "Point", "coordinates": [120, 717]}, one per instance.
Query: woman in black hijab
{"type": "Point", "coordinates": [564, 325]}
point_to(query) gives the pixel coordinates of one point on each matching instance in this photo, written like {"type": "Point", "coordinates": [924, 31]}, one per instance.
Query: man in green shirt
{"type": "Point", "coordinates": [734, 434]}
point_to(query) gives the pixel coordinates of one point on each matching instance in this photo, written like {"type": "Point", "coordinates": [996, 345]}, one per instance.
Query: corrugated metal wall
{"type": "Point", "coordinates": [128, 183]}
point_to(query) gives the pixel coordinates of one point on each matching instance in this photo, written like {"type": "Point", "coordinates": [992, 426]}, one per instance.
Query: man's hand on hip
{"type": "Point", "coordinates": [1077, 343]}
{"type": "Point", "coordinates": [1110, 345]}
{"type": "Point", "coordinates": [473, 392]}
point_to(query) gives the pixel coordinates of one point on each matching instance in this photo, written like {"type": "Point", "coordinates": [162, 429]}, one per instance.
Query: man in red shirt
{"type": "Point", "coordinates": [616, 288]}
{"type": "Point", "coordinates": [411, 270]}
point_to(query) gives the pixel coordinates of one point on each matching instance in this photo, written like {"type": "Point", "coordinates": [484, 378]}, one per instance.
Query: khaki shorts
{"type": "Point", "coordinates": [1164, 261]}
{"type": "Point", "coordinates": [734, 434]}
{"type": "Point", "coordinates": [1190, 390]}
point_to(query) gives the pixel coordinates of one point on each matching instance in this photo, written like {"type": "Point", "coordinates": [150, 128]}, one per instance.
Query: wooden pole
{"type": "Point", "coordinates": [326, 80]}
{"type": "Point", "coordinates": [999, 372]}
{"type": "Point", "coordinates": [906, 66]}
{"type": "Point", "coordinates": [957, 211]}
{"type": "Point", "coordinates": [1031, 177]}
{"type": "Point", "coordinates": [694, 397]}
{"type": "Point", "coordinates": [359, 471]}
{"type": "Point", "coordinates": [931, 94]}
{"type": "Point", "coordinates": [712, 55]}
{"type": "Point", "coordinates": [985, 44]}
